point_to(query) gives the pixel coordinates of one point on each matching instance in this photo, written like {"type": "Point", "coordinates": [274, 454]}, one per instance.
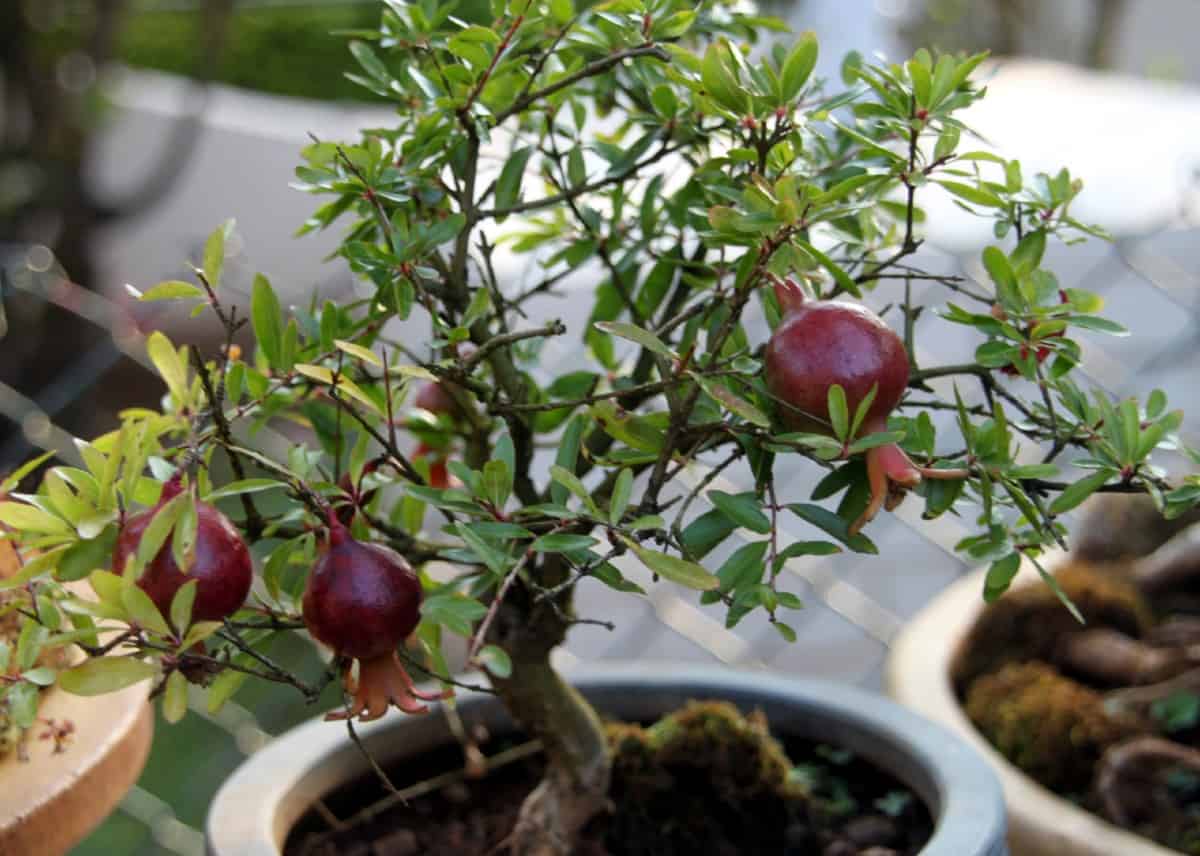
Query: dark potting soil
{"type": "Point", "coordinates": [695, 784]}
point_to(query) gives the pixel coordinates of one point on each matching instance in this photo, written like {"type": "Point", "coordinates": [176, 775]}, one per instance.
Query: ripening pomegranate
{"type": "Point", "coordinates": [222, 567]}
{"type": "Point", "coordinates": [363, 600]}
{"type": "Point", "coordinates": [821, 343]}
{"type": "Point", "coordinates": [436, 399]}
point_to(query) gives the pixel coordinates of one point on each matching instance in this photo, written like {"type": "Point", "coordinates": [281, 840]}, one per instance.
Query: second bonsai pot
{"type": "Point", "coordinates": [1040, 823]}
{"type": "Point", "coordinates": [258, 806]}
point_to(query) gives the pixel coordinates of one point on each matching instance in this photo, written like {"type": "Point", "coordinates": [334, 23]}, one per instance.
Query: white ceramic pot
{"type": "Point", "coordinates": [257, 807]}
{"type": "Point", "coordinates": [1040, 823]}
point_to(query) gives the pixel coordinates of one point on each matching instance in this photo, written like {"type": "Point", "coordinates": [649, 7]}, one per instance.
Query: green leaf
{"type": "Point", "coordinates": [732, 402]}
{"type": "Point", "coordinates": [214, 253]}
{"type": "Point", "coordinates": [181, 605]}
{"type": "Point", "coordinates": [455, 611]}
{"type": "Point", "coordinates": [622, 489]}
{"type": "Point", "coordinates": [171, 289]}
{"type": "Point", "coordinates": [358, 352]}
{"type": "Point", "coordinates": [572, 483]}
{"type": "Point", "coordinates": [266, 317]}
{"type": "Point", "coordinates": [745, 509]}
{"type": "Point", "coordinates": [1079, 491]}
{"type": "Point", "coordinates": [872, 441]}
{"type": "Point", "coordinates": [174, 703]}
{"type": "Point", "coordinates": [497, 482]}
{"type": "Point", "coordinates": [798, 66]}
{"type": "Point", "coordinates": [142, 611]}
{"type": "Point", "coordinates": [974, 195]}
{"type": "Point", "coordinates": [1000, 576]}
{"type": "Point", "coordinates": [744, 567]}
{"type": "Point", "coordinates": [320, 374]}
{"type": "Point", "coordinates": [496, 561]}
{"type": "Point", "coordinates": [10, 482]}
{"type": "Point", "coordinates": [30, 518]}
{"type": "Point", "coordinates": [831, 524]}
{"type": "Point", "coordinates": [223, 687]}
{"type": "Point", "coordinates": [562, 542]}
{"type": "Point", "coordinates": [706, 532]}
{"type": "Point", "coordinates": [83, 557]}
{"type": "Point", "coordinates": [22, 703]}
{"type": "Point", "coordinates": [154, 536]}
{"type": "Point", "coordinates": [637, 335]}
{"type": "Point", "coordinates": [169, 364]}
{"type": "Point", "coordinates": [675, 569]}
{"type": "Point", "coordinates": [101, 675]}
{"type": "Point", "coordinates": [839, 413]}
{"type": "Point", "coordinates": [183, 539]}
{"type": "Point", "coordinates": [495, 660]}
{"type": "Point", "coordinates": [719, 79]}
{"type": "Point", "coordinates": [508, 186]}
{"type": "Point", "coordinates": [244, 486]}
{"type": "Point", "coordinates": [29, 643]}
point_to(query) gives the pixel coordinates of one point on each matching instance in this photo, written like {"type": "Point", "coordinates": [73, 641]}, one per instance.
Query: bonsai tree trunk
{"type": "Point", "coordinates": [575, 786]}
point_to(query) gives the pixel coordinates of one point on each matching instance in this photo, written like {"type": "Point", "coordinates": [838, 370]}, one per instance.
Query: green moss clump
{"type": "Point", "coordinates": [1029, 622]}
{"type": "Point", "coordinates": [704, 773]}
{"type": "Point", "coordinates": [1049, 726]}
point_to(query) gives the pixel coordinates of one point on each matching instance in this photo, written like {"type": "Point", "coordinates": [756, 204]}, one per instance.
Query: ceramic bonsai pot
{"type": "Point", "coordinates": [257, 807]}
{"type": "Point", "coordinates": [1040, 823]}
{"type": "Point", "coordinates": [50, 803]}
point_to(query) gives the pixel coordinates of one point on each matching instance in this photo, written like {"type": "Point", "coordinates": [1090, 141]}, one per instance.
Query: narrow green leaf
{"type": "Point", "coordinates": [266, 317]}
{"type": "Point", "coordinates": [732, 402]}
{"type": "Point", "coordinates": [181, 606]}
{"type": "Point", "coordinates": [622, 489]}
{"type": "Point", "coordinates": [675, 569]}
{"type": "Point", "coordinates": [798, 66]}
{"type": "Point", "coordinates": [745, 509]}
{"type": "Point", "coordinates": [495, 660]}
{"type": "Point", "coordinates": [358, 352]}
{"type": "Point", "coordinates": [169, 364]}
{"type": "Point", "coordinates": [244, 486]}
{"type": "Point", "coordinates": [1000, 576]}
{"type": "Point", "coordinates": [508, 185]}
{"type": "Point", "coordinates": [637, 335]}
{"type": "Point", "coordinates": [214, 253]}
{"type": "Point", "coordinates": [101, 675]}
{"type": "Point", "coordinates": [171, 289]}
{"type": "Point", "coordinates": [839, 414]}
{"type": "Point", "coordinates": [1079, 491]}
{"type": "Point", "coordinates": [30, 518]}
{"type": "Point", "coordinates": [562, 542]}
{"type": "Point", "coordinates": [174, 703]}
{"type": "Point", "coordinates": [831, 524]}
{"type": "Point", "coordinates": [142, 611]}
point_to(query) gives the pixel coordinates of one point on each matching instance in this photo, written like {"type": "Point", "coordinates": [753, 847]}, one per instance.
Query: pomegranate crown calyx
{"type": "Point", "coordinates": [789, 295]}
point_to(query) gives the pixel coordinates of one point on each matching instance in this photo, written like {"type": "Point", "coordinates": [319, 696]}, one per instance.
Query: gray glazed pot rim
{"type": "Point", "coordinates": [260, 803]}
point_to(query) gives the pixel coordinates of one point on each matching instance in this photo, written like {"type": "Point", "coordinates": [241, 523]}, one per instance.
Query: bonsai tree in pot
{"type": "Point", "coordinates": [729, 217]}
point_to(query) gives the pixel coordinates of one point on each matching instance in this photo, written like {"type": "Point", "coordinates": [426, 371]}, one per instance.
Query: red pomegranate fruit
{"type": "Point", "coordinates": [435, 398]}
{"type": "Point", "coordinates": [222, 567]}
{"type": "Point", "coordinates": [363, 600]}
{"type": "Point", "coordinates": [822, 343]}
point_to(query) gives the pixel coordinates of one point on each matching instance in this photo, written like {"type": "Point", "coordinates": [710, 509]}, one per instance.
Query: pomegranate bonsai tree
{"type": "Point", "coordinates": [746, 237]}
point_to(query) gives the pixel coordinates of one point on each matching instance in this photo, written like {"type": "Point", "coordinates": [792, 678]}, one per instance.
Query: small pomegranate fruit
{"type": "Point", "coordinates": [362, 601]}
{"type": "Point", "coordinates": [222, 567]}
{"type": "Point", "coordinates": [435, 398]}
{"type": "Point", "coordinates": [821, 343]}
